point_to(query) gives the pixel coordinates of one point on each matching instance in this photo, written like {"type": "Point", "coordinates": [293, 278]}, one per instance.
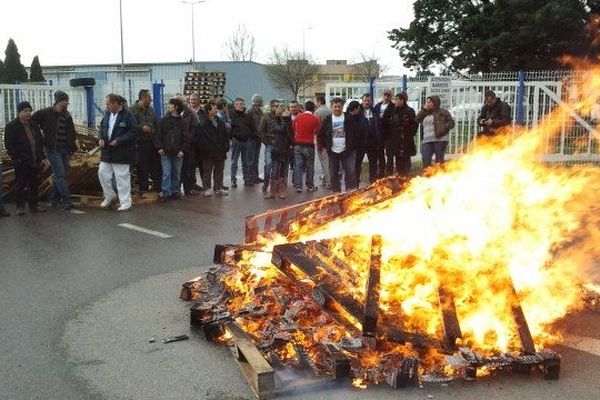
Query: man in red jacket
{"type": "Point", "coordinates": [305, 127]}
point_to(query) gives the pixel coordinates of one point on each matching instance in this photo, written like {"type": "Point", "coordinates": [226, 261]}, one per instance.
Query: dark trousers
{"type": "Point", "coordinates": [27, 180]}
{"type": "Point", "coordinates": [148, 166]}
{"type": "Point", "coordinates": [397, 162]}
{"type": "Point", "coordinates": [188, 170]}
{"type": "Point", "coordinates": [200, 165]}
{"type": "Point", "coordinates": [255, 157]}
{"type": "Point", "coordinates": [374, 163]}
{"type": "Point", "coordinates": [347, 161]}
{"type": "Point", "coordinates": [213, 170]}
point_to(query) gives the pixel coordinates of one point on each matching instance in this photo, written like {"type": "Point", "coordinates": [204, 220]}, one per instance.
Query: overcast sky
{"type": "Point", "coordinates": [87, 31]}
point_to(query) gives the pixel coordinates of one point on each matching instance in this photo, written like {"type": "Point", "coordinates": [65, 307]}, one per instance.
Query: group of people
{"type": "Point", "coordinates": [190, 137]}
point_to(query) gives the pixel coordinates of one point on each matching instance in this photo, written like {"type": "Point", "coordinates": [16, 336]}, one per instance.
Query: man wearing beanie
{"type": "Point", "coordinates": [59, 143]}
{"type": "Point", "coordinates": [24, 143]}
{"type": "Point", "coordinates": [256, 113]}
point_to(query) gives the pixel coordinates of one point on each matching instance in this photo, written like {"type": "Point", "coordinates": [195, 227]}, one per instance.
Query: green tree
{"type": "Point", "coordinates": [495, 35]}
{"type": "Point", "coordinates": [291, 70]}
{"type": "Point", "coordinates": [1, 71]}
{"type": "Point", "coordinates": [35, 72]}
{"type": "Point", "coordinates": [13, 69]}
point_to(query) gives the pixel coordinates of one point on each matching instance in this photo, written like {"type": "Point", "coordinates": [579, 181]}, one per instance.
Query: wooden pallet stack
{"type": "Point", "coordinates": [207, 85]}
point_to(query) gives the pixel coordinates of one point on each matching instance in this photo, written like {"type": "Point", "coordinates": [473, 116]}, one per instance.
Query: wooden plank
{"type": "Point", "coordinates": [527, 344]}
{"type": "Point", "coordinates": [255, 368]}
{"type": "Point", "coordinates": [449, 319]}
{"type": "Point", "coordinates": [372, 290]}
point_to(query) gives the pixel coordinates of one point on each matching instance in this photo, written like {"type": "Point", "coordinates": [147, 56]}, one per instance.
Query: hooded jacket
{"type": "Point", "coordinates": [442, 120]}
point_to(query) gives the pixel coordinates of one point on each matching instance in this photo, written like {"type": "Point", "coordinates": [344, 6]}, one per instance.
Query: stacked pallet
{"type": "Point", "coordinates": [207, 85]}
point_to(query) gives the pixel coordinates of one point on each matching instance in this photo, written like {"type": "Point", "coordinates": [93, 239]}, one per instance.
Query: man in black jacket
{"type": "Point", "coordinates": [59, 143]}
{"type": "Point", "coordinates": [494, 115]}
{"type": "Point", "coordinates": [24, 142]}
{"type": "Point", "coordinates": [148, 163]}
{"type": "Point", "coordinates": [242, 132]}
{"type": "Point", "coordinates": [117, 137]}
{"type": "Point", "coordinates": [213, 142]}
{"type": "Point", "coordinates": [400, 127]}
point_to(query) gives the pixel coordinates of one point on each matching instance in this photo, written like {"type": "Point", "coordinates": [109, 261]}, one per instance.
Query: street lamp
{"type": "Point", "coordinates": [306, 28]}
{"type": "Point", "coordinates": [122, 51]}
{"type": "Point", "coordinates": [192, 4]}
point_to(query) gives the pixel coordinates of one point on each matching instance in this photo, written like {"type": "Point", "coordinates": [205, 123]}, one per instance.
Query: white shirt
{"type": "Point", "coordinates": [111, 124]}
{"type": "Point", "coordinates": [338, 135]}
{"type": "Point", "coordinates": [428, 130]}
{"type": "Point", "coordinates": [382, 109]}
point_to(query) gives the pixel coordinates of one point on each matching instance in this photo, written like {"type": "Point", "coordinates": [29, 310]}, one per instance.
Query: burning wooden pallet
{"type": "Point", "coordinates": [308, 275]}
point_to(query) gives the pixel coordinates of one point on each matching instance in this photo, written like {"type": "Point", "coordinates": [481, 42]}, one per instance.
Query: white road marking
{"type": "Point", "coordinates": [74, 211]}
{"type": "Point", "coordinates": [587, 344]}
{"type": "Point", "coordinates": [144, 230]}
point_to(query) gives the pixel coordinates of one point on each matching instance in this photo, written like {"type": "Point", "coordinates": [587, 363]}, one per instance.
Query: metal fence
{"type": "Point", "coordinates": [532, 98]}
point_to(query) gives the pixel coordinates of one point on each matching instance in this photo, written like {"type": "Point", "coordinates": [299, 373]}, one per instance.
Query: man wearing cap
{"type": "Point", "coordinates": [59, 143]}
{"type": "Point", "coordinates": [24, 143]}
{"type": "Point", "coordinates": [117, 136]}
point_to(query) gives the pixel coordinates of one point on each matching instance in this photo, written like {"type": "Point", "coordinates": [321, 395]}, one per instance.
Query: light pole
{"type": "Point", "coordinates": [122, 51]}
{"type": "Point", "coordinates": [192, 4]}
{"type": "Point", "coordinates": [306, 28]}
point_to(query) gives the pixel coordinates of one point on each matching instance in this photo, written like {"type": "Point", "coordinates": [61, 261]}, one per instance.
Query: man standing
{"type": "Point", "coordinates": [322, 112]}
{"type": "Point", "coordinates": [369, 141]}
{"type": "Point", "coordinates": [188, 170]}
{"type": "Point", "coordinates": [338, 135]}
{"type": "Point", "coordinates": [305, 128]}
{"type": "Point", "coordinates": [256, 112]}
{"type": "Point", "coordinates": [436, 123]}
{"type": "Point", "coordinates": [195, 106]}
{"type": "Point", "coordinates": [266, 135]}
{"type": "Point", "coordinates": [242, 131]}
{"type": "Point", "coordinates": [148, 161]}
{"type": "Point", "coordinates": [494, 115]}
{"type": "Point", "coordinates": [59, 143]}
{"type": "Point", "coordinates": [24, 144]}
{"type": "Point", "coordinates": [213, 142]}
{"type": "Point", "coordinates": [117, 136]}
{"type": "Point", "coordinates": [400, 127]}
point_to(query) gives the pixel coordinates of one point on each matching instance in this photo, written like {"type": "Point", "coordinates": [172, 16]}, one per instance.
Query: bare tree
{"type": "Point", "coordinates": [292, 70]}
{"type": "Point", "coordinates": [368, 67]}
{"type": "Point", "coordinates": [240, 46]}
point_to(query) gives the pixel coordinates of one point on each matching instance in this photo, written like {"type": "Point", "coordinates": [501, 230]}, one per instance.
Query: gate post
{"type": "Point", "coordinates": [520, 116]}
{"type": "Point", "coordinates": [158, 98]}
{"type": "Point", "coordinates": [405, 83]}
{"type": "Point", "coordinates": [372, 87]}
{"type": "Point", "coordinates": [89, 104]}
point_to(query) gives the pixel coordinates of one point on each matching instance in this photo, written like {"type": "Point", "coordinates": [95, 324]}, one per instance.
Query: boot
{"type": "Point", "coordinates": [273, 185]}
{"type": "Point", "coordinates": [281, 188]}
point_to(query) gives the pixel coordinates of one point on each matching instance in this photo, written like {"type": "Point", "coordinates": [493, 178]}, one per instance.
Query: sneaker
{"type": "Point", "coordinates": [125, 208]}
{"type": "Point", "coordinates": [192, 192]}
{"type": "Point", "coordinates": [106, 203]}
{"type": "Point", "coordinates": [177, 196]}
{"type": "Point", "coordinates": [222, 192]}
{"type": "Point", "coordinates": [298, 190]}
{"type": "Point", "coordinates": [163, 199]}
{"type": "Point", "coordinates": [20, 210]}
{"type": "Point", "coordinates": [197, 187]}
{"type": "Point", "coordinates": [312, 188]}
{"type": "Point", "coordinates": [208, 193]}
{"type": "Point", "coordinates": [233, 184]}
{"type": "Point", "coordinates": [225, 187]}
{"type": "Point", "coordinates": [258, 180]}
{"type": "Point", "coordinates": [4, 213]}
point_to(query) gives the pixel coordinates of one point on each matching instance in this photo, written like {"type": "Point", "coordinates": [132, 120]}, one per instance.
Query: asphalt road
{"type": "Point", "coordinates": [81, 298]}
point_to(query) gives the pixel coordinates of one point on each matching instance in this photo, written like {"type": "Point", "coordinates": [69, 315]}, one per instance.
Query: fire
{"type": "Point", "coordinates": [496, 229]}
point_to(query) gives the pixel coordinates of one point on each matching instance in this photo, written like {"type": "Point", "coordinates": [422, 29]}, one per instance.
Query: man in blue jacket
{"type": "Point", "coordinates": [117, 136]}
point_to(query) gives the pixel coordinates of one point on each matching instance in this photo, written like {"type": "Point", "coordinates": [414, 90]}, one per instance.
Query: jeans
{"type": "Point", "coordinates": [347, 160]}
{"type": "Point", "coordinates": [243, 149]}
{"type": "Point", "coordinates": [304, 159]}
{"type": "Point", "coordinates": [171, 175]}
{"type": "Point", "coordinates": [268, 162]}
{"type": "Point", "coordinates": [429, 149]}
{"type": "Point", "coordinates": [374, 159]}
{"type": "Point", "coordinates": [213, 169]}
{"type": "Point", "coordinates": [59, 162]}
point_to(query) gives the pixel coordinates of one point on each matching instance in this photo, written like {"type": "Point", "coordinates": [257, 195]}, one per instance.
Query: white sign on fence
{"type": "Point", "coordinates": [440, 86]}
